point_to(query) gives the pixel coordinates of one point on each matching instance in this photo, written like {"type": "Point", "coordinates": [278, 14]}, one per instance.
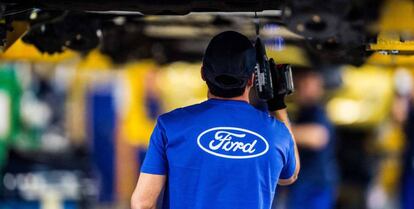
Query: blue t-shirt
{"type": "Point", "coordinates": [220, 154]}
{"type": "Point", "coordinates": [409, 151]}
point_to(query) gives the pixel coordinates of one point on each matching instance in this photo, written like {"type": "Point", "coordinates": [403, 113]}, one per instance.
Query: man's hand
{"type": "Point", "coordinates": [148, 189]}
{"type": "Point", "coordinates": [278, 100]}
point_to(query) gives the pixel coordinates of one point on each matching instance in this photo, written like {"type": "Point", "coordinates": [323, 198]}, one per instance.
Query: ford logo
{"type": "Point", "coordinates": [231, 142]}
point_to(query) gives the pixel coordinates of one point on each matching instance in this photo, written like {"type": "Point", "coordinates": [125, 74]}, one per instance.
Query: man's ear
{"type": "Point", "coordinates": [202, 74]}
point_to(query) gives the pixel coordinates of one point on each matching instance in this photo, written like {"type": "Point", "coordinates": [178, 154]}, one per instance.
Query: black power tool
{"type": "Point", "coordinates": [270, 78]}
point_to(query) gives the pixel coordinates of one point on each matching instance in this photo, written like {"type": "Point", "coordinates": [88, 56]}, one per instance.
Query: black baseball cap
{"type": "Point", "coordinates": [228, 63]}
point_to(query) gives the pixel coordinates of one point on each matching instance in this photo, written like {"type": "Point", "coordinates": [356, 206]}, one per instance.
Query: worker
{"type": "Point", "coordinates": [314, 135]}
{"type": "Point", "coordinates": [407, 183]}
{"type": "Point", "coordinates": [221, 153]}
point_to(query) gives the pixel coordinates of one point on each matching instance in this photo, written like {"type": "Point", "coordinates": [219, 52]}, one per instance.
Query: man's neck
{"type": "Point", "coordinates": [243, 97]}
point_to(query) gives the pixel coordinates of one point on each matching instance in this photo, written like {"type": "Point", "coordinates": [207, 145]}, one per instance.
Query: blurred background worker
{"type": "Point", "coordinates": [407, 183]}
{"type": "Point", "coordinates": [314, 134]}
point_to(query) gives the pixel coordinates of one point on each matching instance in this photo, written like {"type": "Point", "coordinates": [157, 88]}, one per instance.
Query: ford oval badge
{"type": "Point", "coordinates": [231, 142]}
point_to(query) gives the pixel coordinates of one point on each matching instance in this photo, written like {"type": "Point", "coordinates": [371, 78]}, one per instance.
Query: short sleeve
{"type": "Point", "coordinates": [155, 161]}
{"type": "Point", "coordinates": [290, 166]}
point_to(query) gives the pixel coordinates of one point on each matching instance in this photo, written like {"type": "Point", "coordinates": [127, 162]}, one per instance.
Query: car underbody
{"type": "Point", "coordinates": [330, 32]}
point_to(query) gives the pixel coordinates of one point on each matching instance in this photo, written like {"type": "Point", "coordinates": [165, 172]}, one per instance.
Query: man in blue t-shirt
{"type": "Point", "coordinates": [315, 138]}
{"type": "Point", "coordinates": [407, 184]}
{"type": "Point", "coordinates": [222, 153]}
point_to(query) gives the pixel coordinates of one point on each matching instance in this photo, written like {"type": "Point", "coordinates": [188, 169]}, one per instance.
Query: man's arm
{"type": "Point", "coordinates": [153, 171]}
{"type": "Point", "coordinates": [283, 116]}
{"type": "Point", "coordinates": [147, 191]}
{"type": "Point", "coordinates": [313, 135]}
